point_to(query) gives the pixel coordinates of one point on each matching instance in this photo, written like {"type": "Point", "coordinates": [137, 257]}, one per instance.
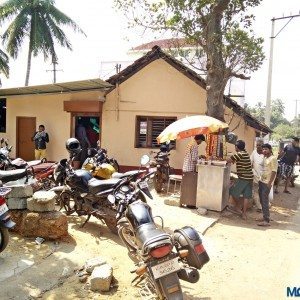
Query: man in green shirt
{"type": "Point", "coordinates": [266, 181]}
{"type": "Point", "coordinates": [243, 185]}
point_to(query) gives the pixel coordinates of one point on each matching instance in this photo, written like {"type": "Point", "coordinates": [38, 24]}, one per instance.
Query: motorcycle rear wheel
{"type": "Point", "coordinates": [158, 183]}
{"type": "Point", "coordinates": [4, 238]}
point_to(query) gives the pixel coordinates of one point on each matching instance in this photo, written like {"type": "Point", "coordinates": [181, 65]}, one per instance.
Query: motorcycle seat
{"type": "Point", "coordinates": [148, 236]}
{"type": "Point", "coordinates": [95, 185]}
{"type": "Point", "coordinates": [126, 174]}
{"type": "Point", "coordinates": [11, 175]}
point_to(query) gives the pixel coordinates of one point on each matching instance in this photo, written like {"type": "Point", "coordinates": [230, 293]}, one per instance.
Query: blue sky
{"type": "Point", "coordinates": [108, 39]}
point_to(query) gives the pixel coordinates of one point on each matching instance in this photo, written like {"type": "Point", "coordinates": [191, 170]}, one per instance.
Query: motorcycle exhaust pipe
{"type": "Point", "coordinates": [189, 274]}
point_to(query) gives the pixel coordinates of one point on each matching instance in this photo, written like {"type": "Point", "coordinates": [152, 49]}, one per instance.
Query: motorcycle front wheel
{"type": "Point", "coordinates": [4, 238]}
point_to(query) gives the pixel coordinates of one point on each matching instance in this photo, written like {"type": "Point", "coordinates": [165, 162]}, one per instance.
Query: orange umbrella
{"type": "Point", "coordinates": [191, 126]}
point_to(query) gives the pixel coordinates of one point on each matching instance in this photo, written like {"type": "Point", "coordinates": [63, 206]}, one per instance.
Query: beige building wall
{"type": "Point", "coordinates": [49, 111]}
{"type": "Point", "coordinates": [156, 90]}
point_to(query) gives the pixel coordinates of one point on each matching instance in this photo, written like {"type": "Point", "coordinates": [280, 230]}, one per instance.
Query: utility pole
{"type": "Point", "coordinates": [54, 70]}
{"type": "Point", "coordinates": [269, 86]}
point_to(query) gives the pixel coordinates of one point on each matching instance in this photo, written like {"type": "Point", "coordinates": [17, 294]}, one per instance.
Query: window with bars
{"type": "Point", "coordinates": [149, 128]}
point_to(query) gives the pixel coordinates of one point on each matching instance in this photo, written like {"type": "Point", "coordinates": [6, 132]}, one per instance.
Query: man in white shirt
{"type": "Point", "coordinates": [257, 160]}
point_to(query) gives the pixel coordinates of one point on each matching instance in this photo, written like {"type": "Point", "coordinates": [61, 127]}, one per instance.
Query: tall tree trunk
{"type": "Point", "coordinates": [215, 94]}
{"type": "Point", "coordinates": [216, 77]}
{"type": "Point", "coordinates": [28, 65]}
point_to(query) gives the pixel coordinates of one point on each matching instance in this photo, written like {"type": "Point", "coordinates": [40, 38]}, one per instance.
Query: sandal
{"type": "Point", "coordinates": [287, 192]}
{"type": "Point", "coordinates": [234, 211]}
{"type": "Point", "coordinates": [263, 223]}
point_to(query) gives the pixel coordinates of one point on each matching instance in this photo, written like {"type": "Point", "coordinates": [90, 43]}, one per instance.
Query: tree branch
{"type": "Point", "coordinates": [221, 6]}
{"type": "Point", "coordinates": [241, 76]}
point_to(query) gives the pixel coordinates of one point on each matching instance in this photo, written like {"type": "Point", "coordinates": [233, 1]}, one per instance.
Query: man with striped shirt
{"type": "Point", "coordinates": [244, 183]}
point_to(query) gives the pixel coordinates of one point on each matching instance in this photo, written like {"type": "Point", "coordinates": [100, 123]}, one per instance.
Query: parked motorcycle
{"type": "Point", "coordinates": [86, 195]}
{"type": "Point", "coordinates": [99, 164]}
{"type": "Point", "coordinates": [162, 167]}
{"type": "Point", "coordinates": [6, 163]}
{"type": "Point", "coordinates": [161, 258]}
{"type": "Point", "coordinates": [13, 175]}
{"type": "Point", "coordinates": [5, 220]}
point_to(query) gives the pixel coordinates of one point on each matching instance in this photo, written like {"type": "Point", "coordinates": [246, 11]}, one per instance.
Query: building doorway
{"type": "Point", "coordinates": [26, 127]}
{"type": "Point", "coordinates": [91, 125]}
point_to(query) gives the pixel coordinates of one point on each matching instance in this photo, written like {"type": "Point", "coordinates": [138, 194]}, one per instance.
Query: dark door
{"type": "Point", "coordinates": [26, 126]}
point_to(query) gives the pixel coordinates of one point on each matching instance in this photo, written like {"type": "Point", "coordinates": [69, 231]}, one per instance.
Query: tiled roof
{"type": "Point", "coordinates": [157, 53]}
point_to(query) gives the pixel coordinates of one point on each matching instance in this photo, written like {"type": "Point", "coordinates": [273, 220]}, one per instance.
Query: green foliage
{"type": "Point", "coordinates": [282, 128]}
{"type": "Point", "coordinates": [283, 131]}
{"type": "Point", "coordinates": [4, 67]}
{"type": "Point", "coordinates": [230, 36]}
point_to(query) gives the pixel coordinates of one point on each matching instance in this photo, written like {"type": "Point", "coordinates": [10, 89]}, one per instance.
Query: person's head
{"type": "Point", "coordinates": [41, 128]}
{"type": "Point", "coordinates": [199, 138]}
{"type": "Point", "coordinates": [267, 149]}
{"type": "Point", "coordinates": [259, 144]}
{"type": "Point", "coordinates": [295, 141]}
{"type": "Point", "coordinates": [240, 145]}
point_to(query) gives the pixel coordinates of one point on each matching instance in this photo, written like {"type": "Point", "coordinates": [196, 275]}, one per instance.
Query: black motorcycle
{"type": "Point", "coordinates": [161, 165]}
{"type": "Point", "coordinates": [161, 258]}
{"type": "Point", "coordinates": [80, 192]}
{"type": "Point", "coordinates": [5, 221]}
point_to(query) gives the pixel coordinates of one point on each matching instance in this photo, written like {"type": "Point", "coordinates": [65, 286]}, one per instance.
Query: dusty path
{"type": "Point", "coordinates": [246, 261]}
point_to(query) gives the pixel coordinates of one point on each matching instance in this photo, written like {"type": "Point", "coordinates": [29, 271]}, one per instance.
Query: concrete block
{"type": "Point", "coordinates": [20, 191]}
{"type": "Point", "coordinates": [33, 205]}
{"type": "Point", "coordinates": [44, 197]}
{"type": "Point", "coordinates": [16, 203]}
{"type": "Point", "coordinates": [91, 263]}
{"type": "Point", "coordinates": [101, 278]}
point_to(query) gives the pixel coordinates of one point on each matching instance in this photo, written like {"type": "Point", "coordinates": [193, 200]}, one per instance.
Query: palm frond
{"type": "Point", "coordinates": [9, 9]}
{"type": "Point", "coordinates": [14, 36]}
{"type": "Point", "coordinates": [4, 60]}
{"type": "Point", "coordinates": [62, 19]}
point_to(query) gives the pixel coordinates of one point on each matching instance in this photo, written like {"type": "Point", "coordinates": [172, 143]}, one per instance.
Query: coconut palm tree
{"type": "Point", "coordinates": [39, 21]}
{"type": "Point", "coordinates": [4, 67]}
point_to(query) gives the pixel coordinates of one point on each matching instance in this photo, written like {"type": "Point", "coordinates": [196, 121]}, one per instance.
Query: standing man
{"type": "Point", "coordinates": [288, 157]}
{"type": "Point", "coordinates": [265, 183]}
{"type": "Point", "coordinates": [40, 139]}
{"type": "Point", "coordinates": [191, 154]}
{"type": "Point", "coordinates": [189, 177]}
{"type": "Point", "coordinates": [257, 160]}
{"type": "Point", "coordinates": [244, 183]}
{"type": "Point", "coordinates": [81, 135]}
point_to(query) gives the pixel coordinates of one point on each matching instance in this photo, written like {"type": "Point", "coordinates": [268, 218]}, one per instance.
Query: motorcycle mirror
{"type": "Point", "coordinates": [145, 159]}
{"type": "Point", "coordinates": [10, 147]}
{"type": "Point", "coordinates": [111, 198]}
{"type": "Point", "coordinates": [2, 140]}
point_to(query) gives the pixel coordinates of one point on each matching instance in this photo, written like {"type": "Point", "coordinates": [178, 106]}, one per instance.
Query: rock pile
{"type": "Point", "coordinates": [40, 218]}
{"type": "Point", "coordinates": [97, 273]}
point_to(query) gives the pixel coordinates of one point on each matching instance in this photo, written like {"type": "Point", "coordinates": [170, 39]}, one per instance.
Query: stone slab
{"type": "Point", "coordinates": [20, 191]}
{"type": "Point", "coordinates": [16, 203]}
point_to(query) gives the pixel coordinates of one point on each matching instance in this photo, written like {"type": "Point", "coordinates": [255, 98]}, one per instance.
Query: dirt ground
{"type": "Point", "coordinates": [246, 261]}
